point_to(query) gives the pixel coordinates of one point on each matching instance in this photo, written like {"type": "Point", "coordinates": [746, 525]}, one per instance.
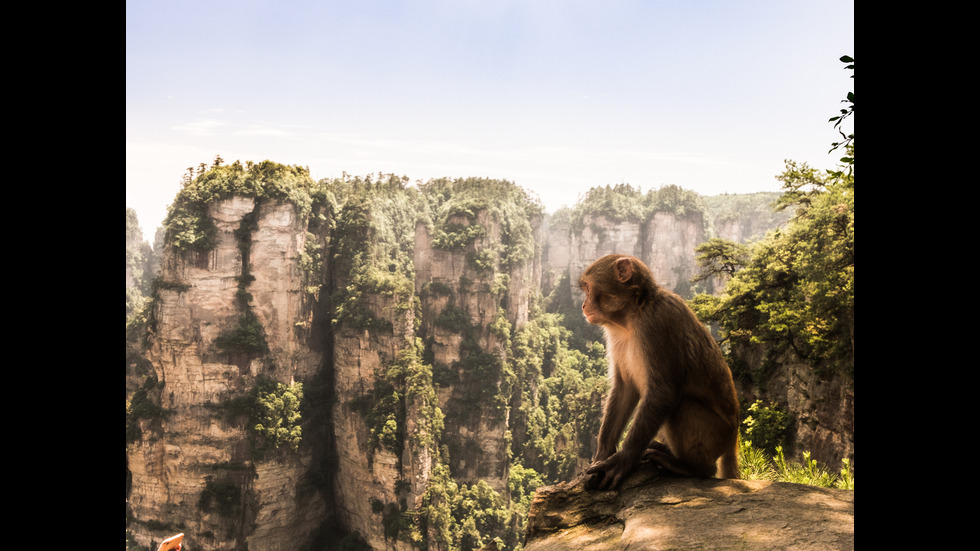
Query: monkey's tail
{"type": "Point", "coordinates": [729, 462]}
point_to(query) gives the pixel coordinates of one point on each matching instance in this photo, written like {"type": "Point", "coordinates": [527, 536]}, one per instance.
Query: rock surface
{"type": "Point", "coordinates": [653, 512]}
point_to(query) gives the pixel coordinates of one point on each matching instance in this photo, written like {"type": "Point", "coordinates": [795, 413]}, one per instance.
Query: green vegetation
{"type": "Point", "coordinates": [765, 431]}
{"type": "Point", "coordinates": [791, 294]}
{"type": "Point", "coordinates": [406, 380]}
{"type": "Point", "coordinates": [623, 202]}
{"type": "Point", "coordinates": [748, 211]}
{"type": "Point", "coordinates": [188, 225]}
{"type": "Point", "coordinates": [556, 408]}
{"type": "Point", "coordinates": [271, 413]}
{"type": "Point", "coordinates": [142, 405]}
{"type": "Point", "coordinates": [245, 338]}
{"type": "Point", "coordinates": [139, 256]}
{"type": "Point", "coordinates": [766, 426]}
{"type": "Point", "coordinates": [454, 205]}
{"type": "Point", "coordinates": [276, 416]}
{"type": "Point", "coordinates": [372, 246]}
{"type": "Point", "coordinates": [756, 464]}
{"type": "Point", "coordinates": [794, 292]}
{"type": "Point", "coordinates": [720, 258]}
{"type": "Point", "coordinates": [141, 284]}
{"type": "Point", "coordinates": [462, 517]}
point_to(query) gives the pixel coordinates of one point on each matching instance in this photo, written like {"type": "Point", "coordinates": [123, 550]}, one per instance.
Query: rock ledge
{"type": "Point", "coordinates": [653, 512]}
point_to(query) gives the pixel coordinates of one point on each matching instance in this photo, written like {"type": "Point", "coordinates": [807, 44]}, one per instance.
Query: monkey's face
{"type": "Point", "coordinates": [590, 307]}
{"type": "Point", "coordinates": [600, 307]}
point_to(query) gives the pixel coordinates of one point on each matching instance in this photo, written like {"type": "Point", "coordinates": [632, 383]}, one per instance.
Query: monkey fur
{"type": "Point", "coordinates": [666, 372]}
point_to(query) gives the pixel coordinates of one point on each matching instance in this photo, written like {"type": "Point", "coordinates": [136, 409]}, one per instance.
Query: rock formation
{"type": "Point", "coordinates": [195, 450]}
{"type": "Point", "coordinates": [653, 512]}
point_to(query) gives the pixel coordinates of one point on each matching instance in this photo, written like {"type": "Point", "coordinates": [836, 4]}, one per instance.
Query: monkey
{"type": "Point", "coordinates": [666, 372]}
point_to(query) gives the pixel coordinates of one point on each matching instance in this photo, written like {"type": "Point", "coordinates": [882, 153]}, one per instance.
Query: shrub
{"type": "Point", "coordinates": [277, 414]}
{"type": "Point", "coordinates": [142, 406]}
{"type": "Point", "coordinates": [247, 337]}
{"type": "Point", "coordinates": [766, 426]}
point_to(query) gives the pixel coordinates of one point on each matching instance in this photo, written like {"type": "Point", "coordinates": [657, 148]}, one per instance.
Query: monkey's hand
{"type": "Point", "coordinates": [602, 454]}
{"type": "Point", "coordinates": [611, 471]}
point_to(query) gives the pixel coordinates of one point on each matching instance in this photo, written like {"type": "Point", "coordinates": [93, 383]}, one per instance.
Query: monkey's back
{"type": "Point", "coordinates": [680, 339]}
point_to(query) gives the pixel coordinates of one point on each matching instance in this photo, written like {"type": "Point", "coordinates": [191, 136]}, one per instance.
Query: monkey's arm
{"type": "Point", "coordinates": [651, 413]}
{"type": "Point", "coordinates": [619, 407]}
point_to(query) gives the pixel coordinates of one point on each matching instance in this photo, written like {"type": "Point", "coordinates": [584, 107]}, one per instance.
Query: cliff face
{"type": "Point", "coordinates": [823, 408]}
{"type": "Point", "coordinates": [450, 284]}
{"type": "Point", "coordinates": [665, 242]}
{"type": "Point", "coordinates": [194, 447]}
{"type": "Point", "coordinates": [354, 323]}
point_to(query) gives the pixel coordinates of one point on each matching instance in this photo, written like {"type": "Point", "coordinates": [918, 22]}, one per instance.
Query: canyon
{"type": "Point", "coordinates": [387, 312]}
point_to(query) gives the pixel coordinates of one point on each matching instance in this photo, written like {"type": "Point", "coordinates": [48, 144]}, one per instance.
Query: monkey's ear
{"type": "Point", "coordinates": [624, 269]}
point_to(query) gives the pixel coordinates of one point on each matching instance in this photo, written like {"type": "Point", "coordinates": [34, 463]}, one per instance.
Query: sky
{"type": "Point", "coordinates": [555, 96]}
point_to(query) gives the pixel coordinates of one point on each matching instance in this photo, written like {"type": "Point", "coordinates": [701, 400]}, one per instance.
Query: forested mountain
{"type": "Point", "coordinates": [379, 365]}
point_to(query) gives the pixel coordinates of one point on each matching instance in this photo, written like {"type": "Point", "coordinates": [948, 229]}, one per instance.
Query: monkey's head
{"type": "Point", "coordinates": [614, 286]}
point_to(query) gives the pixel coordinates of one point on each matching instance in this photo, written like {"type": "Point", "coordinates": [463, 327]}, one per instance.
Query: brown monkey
{"type": "Point", "coordinates": [665, 365]}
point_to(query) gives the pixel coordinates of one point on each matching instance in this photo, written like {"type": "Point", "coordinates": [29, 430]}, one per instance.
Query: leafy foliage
{"type": "Point", "coordinates": [623, 202]}
{"type": "Point", "coordinates": [188, 225]}
{"type": "Point", "coordinates": [796, 292]}
{"type": "Point", "coordinates": [720, 258]}
{"type": "Point", "coordinates": [276, 415]}
{"type": "Point", "coordinates": [139, 259]}
{"type": "Point", "coordinates": [557, 405]}
{"type": "Point", "coordinates": [272, 414]}
{"type": "Point", "coordinates": [462, 517]}
{"type": "Point", "coordinates": [766, 426]}
{"type": "Point", "coordinates": [372, 246]}
{"type": "Point", "coordinates": [143, 405]}
{"type": "Point", "coordinates": [752, 213]}
{"type": "Point", "coordinates": [848, 142]}
{"type": "Point", "coordinates": [455, 205]}
{"type": "Point", "coordinates": [247, 337]}
{"type": "Point", "coordinates": [405, 380]}
{"type": "Point", "coordinates": [756, 464]}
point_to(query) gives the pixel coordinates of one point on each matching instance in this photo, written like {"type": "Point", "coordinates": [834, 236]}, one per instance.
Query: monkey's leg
{"type": "Point", "coordinates": [696, 438]}
{"type": "Point", "coordinates": [657, 445]}
{"type": "Point", "coordinates": [663, 458]}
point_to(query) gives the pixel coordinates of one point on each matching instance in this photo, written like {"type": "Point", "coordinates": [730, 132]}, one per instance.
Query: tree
{"type": "Point", "coordinates": [277, 414]}
{"type": "Point", "coordinates": [796, 292]}
{"type": "Point", "coordinates": [719, 257]}
{"type": "Point", "coordinates": [848, 142]}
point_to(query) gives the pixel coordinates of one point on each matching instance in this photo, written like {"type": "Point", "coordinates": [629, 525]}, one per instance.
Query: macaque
{"type": "Point", "coordinates": [665, 367]}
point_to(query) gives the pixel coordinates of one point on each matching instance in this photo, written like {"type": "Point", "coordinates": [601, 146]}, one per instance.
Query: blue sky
{"type": "Point", "coordinates": [556, 96]}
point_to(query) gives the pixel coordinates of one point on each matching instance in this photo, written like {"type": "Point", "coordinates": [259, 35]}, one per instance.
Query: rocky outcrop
{"type": "Point", "coordinates": [484, 295]}
{"type": "Point", "coordinates": [665, 242]}
{"type": "Point", "coordinates": [195, 448]}
{"type": "Point", "coordinates": [668, 248]}
{"type": "Point", "coordinates": [653, 512]}
{"type": "Point", "coordinates": [822, 407]}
